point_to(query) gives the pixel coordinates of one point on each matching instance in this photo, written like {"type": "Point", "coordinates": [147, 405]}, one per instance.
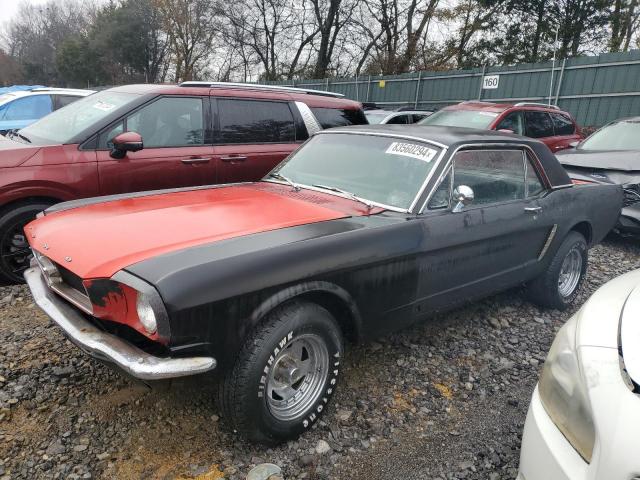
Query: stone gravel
{"type": "Point", "coordinates": [446, 399]}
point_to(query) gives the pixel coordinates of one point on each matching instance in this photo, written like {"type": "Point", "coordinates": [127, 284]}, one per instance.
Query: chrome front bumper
{"type": "Point", "coordinates": [108, 347]}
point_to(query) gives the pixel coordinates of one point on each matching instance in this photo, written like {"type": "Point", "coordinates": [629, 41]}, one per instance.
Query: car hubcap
{"type": "Point", "coordinates": [14, 251]}
{"type": "Point", "coordinates": [570, 272]}
{"type": "Point", "coordinates": [297, 377]}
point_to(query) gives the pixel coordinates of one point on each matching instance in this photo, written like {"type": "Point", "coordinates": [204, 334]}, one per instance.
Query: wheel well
{"type": "Point", "coordinates": [26, 201]}
{"type": "Point", "coordinates": [339, 308]}
{"type": "Point", "coordinates": [584, 228]}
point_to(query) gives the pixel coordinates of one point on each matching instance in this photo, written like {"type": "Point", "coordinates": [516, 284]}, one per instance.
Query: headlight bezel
{"type": "Point", "coordinates": [563, 391]}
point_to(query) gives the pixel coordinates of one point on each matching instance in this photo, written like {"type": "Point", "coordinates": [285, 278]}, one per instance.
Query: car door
{"type": "Point", "coordinates": [24, 111]}
{"type": "Point", "coordinates": [175, 154]}
{"type": "Point", "coordinates": [538, 124]}
{"type": "Point", "coordinates": [492, 243]}
{"type": "Point", "coordinates": [564, 131]}
{"type": "Point", "coordinates": [251, 137]}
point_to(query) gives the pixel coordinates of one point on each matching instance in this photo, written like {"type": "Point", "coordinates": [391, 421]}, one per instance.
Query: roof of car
{"type": "Point", "coordinates": [7, 97]}
{"type": "Point", "coordinates": [486, 106]}
{"type": "Point", "coordinates": [245, 90]}
{"type": "Point", "coordinates": [454, 137]}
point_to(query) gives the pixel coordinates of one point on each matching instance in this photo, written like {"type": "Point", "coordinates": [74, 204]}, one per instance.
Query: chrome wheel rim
{"type": "Point", "coordinates": [570, 272]}
{"type": "Point", "coordinates": [296, 379]}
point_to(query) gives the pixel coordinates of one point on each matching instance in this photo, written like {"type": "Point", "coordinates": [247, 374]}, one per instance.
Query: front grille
{"type": "Point", "coordinates": [64, 282]}
{"type": "Point", "coordinates": [71, 279]}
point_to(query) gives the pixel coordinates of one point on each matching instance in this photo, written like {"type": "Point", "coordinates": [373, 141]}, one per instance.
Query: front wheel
{"type": "Point", "coordinates": [558, 287]}
{"type": "Point", "coordinates": [15, 253]}
{"type": "Point", "coordinates": [285, 375]}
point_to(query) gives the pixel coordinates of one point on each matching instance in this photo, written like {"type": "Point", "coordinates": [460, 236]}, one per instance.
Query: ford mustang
{"type": "Point", "coordinates": [361, 231]}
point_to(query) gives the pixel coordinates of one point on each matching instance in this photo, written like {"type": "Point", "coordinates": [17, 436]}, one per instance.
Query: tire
{"type": "Point", "coordinates": [14, 248]}
{"type": "Point", "coordinates": [548, 290]}
{"type": "Point", "coordinates": [250, 396]}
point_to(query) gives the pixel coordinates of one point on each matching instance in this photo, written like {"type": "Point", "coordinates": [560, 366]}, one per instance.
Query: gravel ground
{"type": "Point", "coordinates": [444, 400]}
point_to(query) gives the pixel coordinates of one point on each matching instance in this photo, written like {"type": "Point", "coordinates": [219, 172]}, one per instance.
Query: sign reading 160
{"type": "Point", "coordinates": [490, 82]}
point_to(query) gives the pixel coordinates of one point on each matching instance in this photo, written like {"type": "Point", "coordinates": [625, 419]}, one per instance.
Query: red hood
{"type": "Point", "coordinates": [102, 238]}
{"type": "Point", "coordinates": [13, 153]}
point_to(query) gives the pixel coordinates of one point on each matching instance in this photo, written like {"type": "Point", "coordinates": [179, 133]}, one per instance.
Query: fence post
{"type": "Point", "coordinates": [564, 61]}
{"type": "Point", "coordinates": [357, 91]}
{"type": "Point", "coordinates": [484, 69]}
{"type": "Point", "coordinates": [327, 87]}
{"type": "Point", "coordinates": [415, 104]}
{"type": "Point", "coordinates": [368, 87]}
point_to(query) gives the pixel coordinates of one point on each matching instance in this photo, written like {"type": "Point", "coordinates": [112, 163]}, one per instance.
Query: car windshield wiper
{"type": "Point", "coordinates": [293, 184]}
{"type": "Point", "coordinates": [19, 135]}
{"type": "Point", "coordinates": [352, 196]}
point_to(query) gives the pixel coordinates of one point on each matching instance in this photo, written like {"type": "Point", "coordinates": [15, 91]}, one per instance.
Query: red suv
{"type": "Point", "coordinates": [148, 137]}
{"type": "Point", "coordinates": [536, 120]}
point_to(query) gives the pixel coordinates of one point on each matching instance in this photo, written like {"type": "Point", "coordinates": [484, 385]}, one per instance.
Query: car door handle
{"type": "Point", "coordinates": [194, 160]}
{"type": "Point", "coordinates": [533, 209]}
{"type": "Point", "coordinates": [233, 158]}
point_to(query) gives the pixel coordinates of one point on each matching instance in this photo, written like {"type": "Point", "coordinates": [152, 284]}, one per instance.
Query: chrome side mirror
{"type": "Point", "coordinates": [463, 196]}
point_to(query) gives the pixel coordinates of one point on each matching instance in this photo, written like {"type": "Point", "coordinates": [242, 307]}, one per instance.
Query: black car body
{"type": "Point", "coordinates": [386, 260]}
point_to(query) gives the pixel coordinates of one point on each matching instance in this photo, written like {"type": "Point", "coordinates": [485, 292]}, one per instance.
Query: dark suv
{"type": "Point", "coordinates": [148, 137]}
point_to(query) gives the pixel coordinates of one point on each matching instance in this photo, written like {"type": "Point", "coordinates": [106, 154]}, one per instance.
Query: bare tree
{"type": "Point", "coordinates": [624, 22]}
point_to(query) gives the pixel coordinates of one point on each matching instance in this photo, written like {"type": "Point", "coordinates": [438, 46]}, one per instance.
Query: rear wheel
{"type": "Point", "coordinates": [558, 287]}
{"type": "Point", "coordinates": [15, 253]}
{"type": "Point", "coordinates": [285, 375]}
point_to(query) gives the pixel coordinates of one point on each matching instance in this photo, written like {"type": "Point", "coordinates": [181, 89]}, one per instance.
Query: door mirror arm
{"type": "Point", "coordinates": [463, 196]}
{"type": "Point", "coordinates": [126, 142]}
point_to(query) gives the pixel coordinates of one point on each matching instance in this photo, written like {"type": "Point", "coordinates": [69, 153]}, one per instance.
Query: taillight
{"type": "Point", "coordinates": [581, 182]}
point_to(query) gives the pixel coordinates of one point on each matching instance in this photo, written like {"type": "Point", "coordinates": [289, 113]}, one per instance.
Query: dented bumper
{"type": "Point", "coordinates": [108, 347]}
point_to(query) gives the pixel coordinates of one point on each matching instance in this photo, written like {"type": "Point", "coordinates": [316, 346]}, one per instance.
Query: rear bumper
{"type": "Point", "coordinates": [108, 347]}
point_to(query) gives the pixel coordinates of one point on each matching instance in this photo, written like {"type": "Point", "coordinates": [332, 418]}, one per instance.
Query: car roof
{"type": "Point", "coordinates": [455, 137]}
{"type": "Point", "coordinates": [241, 90]}
{"type": "Point", "coordinates": [8, 97]}
{"type": "Point", "coordinates": [485, 106]}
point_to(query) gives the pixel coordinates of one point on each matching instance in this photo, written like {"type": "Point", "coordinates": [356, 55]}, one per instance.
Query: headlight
{"type": "Point", "coordinates": [146, 315]}
{"type": "Point", "coordinates": [563, 392]}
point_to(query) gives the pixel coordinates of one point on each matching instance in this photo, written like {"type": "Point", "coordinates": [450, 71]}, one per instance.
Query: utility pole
{"type": "Point", "coordinates": [553, 65]}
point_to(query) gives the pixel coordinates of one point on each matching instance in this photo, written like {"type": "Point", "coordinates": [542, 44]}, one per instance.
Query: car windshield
{"type": "Point", "coordinates": [623, 135]}
{"type": "Point", "coordinates": [383, 170]}
{"type": "Point", "coordinates": [63, 125]}
{"type": "Point", "coordinates": [460, 118]}
{"type": "Point", "coordinates": [375, 118]}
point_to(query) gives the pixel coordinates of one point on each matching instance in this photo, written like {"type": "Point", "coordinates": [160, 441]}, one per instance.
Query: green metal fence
{"type": "Point", "coordinates": [595, 90]}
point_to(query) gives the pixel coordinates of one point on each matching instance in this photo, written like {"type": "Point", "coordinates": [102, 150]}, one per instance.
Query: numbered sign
{"type": "Point", "coordinates": [490, 82]}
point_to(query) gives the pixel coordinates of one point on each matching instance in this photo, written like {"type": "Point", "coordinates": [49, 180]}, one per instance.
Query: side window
{"type": "Point", "coordinates": [334, 117]}
{"type": "Point", "coordinates": [29, 108]}
{"type": "Point", "coordinates": [493, 175]}
{"type": "Point", "coordinates": [513, 122]}
{"type": "Point", "coordinates": [169, 122]}
{"type": "Point", "coordinates": [399, 119]}
{"type": "Point", "coordinates": [440, 198]}
{"type": "Point", "coordinates": [539, 124]}
{"type": "Point", "coordinates": [417, 117]}
{"type": "Point", "coordinates": [534, 184]}
{"type": "Point", "coordinates": [562, 125]}
{"type": "Point", "coordinates": [106, 137]}
{"type": "Point", "coordinates": [64, 100]}
{"type": "Point", "coordinates": [255, 121]}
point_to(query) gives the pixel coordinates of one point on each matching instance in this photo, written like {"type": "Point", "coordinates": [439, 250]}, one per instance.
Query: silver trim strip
{"type": "Point", "coordinates": [310, 121]}
{"type": "Point", "coordinates": [108, 347]}
{"type": "Point", "coordinates": [258, 86]}
{"type": "Point", "coordinates": [547, 244]}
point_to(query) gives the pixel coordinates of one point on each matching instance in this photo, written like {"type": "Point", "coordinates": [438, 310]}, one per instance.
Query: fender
{"type": "Point", "coordinates": [301, 289]}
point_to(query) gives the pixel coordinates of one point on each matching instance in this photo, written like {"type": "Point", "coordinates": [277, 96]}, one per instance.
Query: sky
{"type": "Point", "coordinates": [9, 8]}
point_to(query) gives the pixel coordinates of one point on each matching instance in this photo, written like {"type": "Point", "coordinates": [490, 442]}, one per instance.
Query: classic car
{"type": "Point", "coordinates": [585, 411]}
{"type": "Point", "coordinates": [611, 155]}
{"type": "Point", "coordinates": [361, 231]}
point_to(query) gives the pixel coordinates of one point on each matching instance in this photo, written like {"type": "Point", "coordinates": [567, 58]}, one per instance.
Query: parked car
{"type": "Point", "coordinates": [21, 108]}
{"type": "Point", "coordinates": [585, 411]}
{"type": "Point", "coordinates": [547, 123]}
{"type": "Point", "coordinates": [362, 231]}
{"type": "Point", "coordinates": [401, 116]}
{"type": "Point", "coordinates": [611, 155]}
{"type": "Point", "coordinates": [148, 137]}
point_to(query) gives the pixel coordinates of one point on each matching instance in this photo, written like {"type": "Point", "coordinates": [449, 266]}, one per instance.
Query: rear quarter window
{"type": "Point", "coordinates": [336, 117]}
{"type": "Point", "coordinates": [562, 124]}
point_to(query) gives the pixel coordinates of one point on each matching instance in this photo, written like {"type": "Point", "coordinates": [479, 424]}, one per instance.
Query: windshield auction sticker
{"type": "Point", "coordinates": [103, 106]}
{"type": "Point", "coordinates": [414, 150]}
